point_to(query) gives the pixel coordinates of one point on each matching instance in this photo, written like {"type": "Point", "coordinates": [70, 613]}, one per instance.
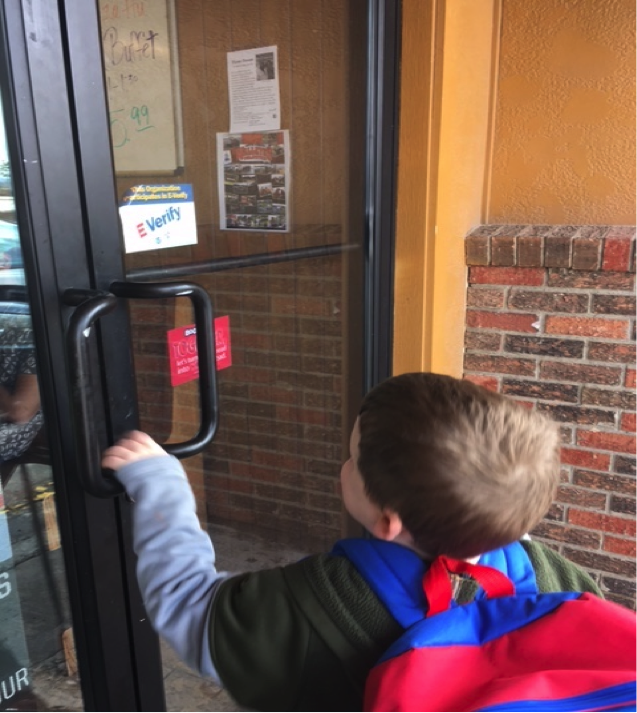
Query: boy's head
{"type": "Point", "coordinates": [466, 470]}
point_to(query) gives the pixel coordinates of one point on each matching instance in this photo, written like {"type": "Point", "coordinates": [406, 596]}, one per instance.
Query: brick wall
{"type": "Point", "coordinates": [551, 322]}
{"type": "Point", "coordinates": [274, 464]}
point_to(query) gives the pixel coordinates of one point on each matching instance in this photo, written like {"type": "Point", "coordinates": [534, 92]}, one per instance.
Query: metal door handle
{"type": "Point", "coordinates": [204, 319]}
{"type": "Point", "coordinates": [91, 305]}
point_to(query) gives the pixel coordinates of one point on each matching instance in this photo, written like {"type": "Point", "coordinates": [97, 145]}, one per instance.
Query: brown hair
{"type": "Point", "coordinates": [467, 470]}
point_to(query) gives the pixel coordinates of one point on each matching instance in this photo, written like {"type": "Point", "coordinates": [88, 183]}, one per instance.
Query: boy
{"type": "Point", "coordinates": [437, 466]}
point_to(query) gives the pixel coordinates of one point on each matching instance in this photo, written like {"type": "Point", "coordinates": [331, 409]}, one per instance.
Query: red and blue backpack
{"type": "Point", "coordinates": [510, 649]}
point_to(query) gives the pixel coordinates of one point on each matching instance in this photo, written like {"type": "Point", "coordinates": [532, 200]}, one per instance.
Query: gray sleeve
{"type": "Point", "coordinates": [176, 559]}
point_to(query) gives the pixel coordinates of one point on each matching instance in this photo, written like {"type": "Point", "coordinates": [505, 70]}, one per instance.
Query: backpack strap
{"type": "Point", "coordinates": [437, 586]}
{"type": "Point", "coordinates": [513, 561]}
{"type": "Point", "coordinates": [395, 573]}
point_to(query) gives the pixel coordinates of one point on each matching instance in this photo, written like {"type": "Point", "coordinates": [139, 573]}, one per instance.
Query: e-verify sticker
{"type": "Point", "coordinates": [158, 216]}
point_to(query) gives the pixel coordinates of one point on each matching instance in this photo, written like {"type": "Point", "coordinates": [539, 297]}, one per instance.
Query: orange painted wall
{"type": "Point", "coordinates": [564, 145]}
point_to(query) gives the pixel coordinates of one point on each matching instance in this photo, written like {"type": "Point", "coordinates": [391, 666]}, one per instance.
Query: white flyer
{"type": "Point", "coordinates": [253, 88]}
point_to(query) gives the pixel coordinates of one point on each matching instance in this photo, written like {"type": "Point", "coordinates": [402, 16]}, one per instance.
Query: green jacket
{"type": "Point", "coordinates": [303, 637]}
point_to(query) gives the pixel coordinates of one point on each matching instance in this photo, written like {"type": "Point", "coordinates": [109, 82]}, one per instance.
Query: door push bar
{"type": "Point", "coordinates": [90, 306]}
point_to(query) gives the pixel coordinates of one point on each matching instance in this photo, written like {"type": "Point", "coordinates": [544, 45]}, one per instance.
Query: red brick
{"type": "Point", "coordinates": [620, 546]}
{"type": "Point", "coordinates": [476, 250]}
{"type": "Point", "coordinates": [548, 391]}
{"type": "Point", "coordinates": [609, 397]}
{"type": "Point", "coordinates": [572, 535]}
{"type": "Point", "coordinates": [557, 251]}
{"type": "Point", "coordinates": [556, 513]}
{"type": "Point", "coordinates": [482, 341]}
{"type": "Point", "coordinates": [488, 382]}
{"type": "Point", "coordinates": [503, 251]}
{"type": "Point", "coordinates": [622, 505]}
{"type": "Point", "coordinates": [588, 327]}
{"type": "Point", "coordinates": [506, 276]}
{"type": "Point", "coordinates": [628, 422]}
{"type": "Point", "coordinates": [578, 414]}
{"type": "Point", "coordinates": [616, 254]}
{"type": "Point", "coordinates": [593, 560]}
{"type": "Point", "coordinates": [604, 481]}
{"type": "Point", "coordinates": [300, 305]}
{"type": "Point", "coordinates": [530, 251]}
{"type": "Point", "coordinates": [618, 586]}
{"type": "Point", "coordinates": [584, 280]}
{"type": "Point", "coordinates": [276, 460]}
{"type": "Point", "coordinates": [485, 297]}
{"type": "Point", "coordinates": [304, 415]}
{"type": "Point", "coordinates": [586, 253]}
{"type": "Point", "coordinates": [630, 379]}
{"type": "Point", "coordinates": [606, 441]}
{"type": "Point", "coordinates": [499, 364]}
{"type": "Point", "coordinates": [507, 321]}
{"type": "Point", "coordinates": [587, 459]}
{"type": "Point", "coordinates": [250, 375]}
{"type": "Point", "coordinates": [613, 352]}
{"type": "Point", "coordinates": [583, 498]}
{"type": "Point", "coordinates": [273, 394]}
{"type": "Point", "coordinates": [598, 521]}
{"type": "Point", "coordinates": [583, 373]}
{"type": "Point", "coordinates": [237, 485]}
{"type": "Point", "coordinates": [545, 346]}
{"type": "Point", "coordinates": [548, 301]}
{"type": "Point", "coordinates": [614, 304]}
{"type": "Point", "coordinates": [257, 341]}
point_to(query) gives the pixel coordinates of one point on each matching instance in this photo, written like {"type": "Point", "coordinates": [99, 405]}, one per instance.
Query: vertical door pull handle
{"type": "Point", "coordinates": [204, 320]}
{"type": "Point", "coordinates": [91, 305]}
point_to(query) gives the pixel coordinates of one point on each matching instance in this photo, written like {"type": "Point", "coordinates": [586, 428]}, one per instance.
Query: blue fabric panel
{"type": "Point", "coordinates": [614, 698]}
{"type": "Point", "coordinates": [513, 561]}
{"type": "Point", "coordinates": [479, 623]}
{"type": "Point", "coordinates": [393, 572]}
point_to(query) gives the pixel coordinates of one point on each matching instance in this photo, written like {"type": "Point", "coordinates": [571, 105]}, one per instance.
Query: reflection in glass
{"type": "Point", "coordinates": [277, 246]}
{"type": "Point", "coordinates": [37, 657]}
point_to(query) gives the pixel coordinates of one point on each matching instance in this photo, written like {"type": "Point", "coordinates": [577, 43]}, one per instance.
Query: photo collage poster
{"type": "Point", "coordinates": [254, 180]}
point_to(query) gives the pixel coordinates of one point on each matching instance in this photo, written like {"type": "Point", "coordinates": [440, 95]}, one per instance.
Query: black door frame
{"type": "Point", "coordinates": [51, 201]}
{"type": "Point", "coordinates": [57, 125]}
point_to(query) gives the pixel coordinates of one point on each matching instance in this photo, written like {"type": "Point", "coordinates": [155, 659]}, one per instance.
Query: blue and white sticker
{"type": "Point", "coordinates": [158, 216]}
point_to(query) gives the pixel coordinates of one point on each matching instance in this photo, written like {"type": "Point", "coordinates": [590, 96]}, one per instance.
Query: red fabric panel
{"type": "Point", "coordinates": [563, 654]}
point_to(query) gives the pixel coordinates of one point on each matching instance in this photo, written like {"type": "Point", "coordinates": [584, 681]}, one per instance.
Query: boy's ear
{"type": "Point", "coordinates": [388, 525]}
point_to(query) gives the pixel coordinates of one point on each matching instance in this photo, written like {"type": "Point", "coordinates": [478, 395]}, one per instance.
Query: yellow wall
{"type": "Point", "coordinates": [446, 98]}
{"type": "Point", "coordinates": [564, 149]}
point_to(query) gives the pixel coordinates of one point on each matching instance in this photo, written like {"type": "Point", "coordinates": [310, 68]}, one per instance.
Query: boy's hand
{"type": "Point", "coordinates": [134, 446]}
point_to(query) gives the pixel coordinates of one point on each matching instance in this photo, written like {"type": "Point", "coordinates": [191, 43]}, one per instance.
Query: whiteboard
{"type": "Point", "coordinates": [139, 47]}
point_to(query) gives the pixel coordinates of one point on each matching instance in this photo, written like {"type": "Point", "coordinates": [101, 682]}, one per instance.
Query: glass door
{"type": "Point", "coordinates": [244, 147]}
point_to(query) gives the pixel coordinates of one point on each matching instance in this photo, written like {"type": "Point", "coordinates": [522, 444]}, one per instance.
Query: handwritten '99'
{"type": "Point", "coordinates": [124, 126]}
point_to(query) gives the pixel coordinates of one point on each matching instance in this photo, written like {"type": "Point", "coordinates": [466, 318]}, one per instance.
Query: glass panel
{"type": "Point", "coordinates": [278, 230]}
{"type": "Point", "coordinates": [37, 655]}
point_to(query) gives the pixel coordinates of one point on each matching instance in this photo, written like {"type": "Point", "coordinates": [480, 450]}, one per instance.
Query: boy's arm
{"type": "Point", "coordinates": [176, 560]}
{"type": "Point", "coordinates": [555, 573]}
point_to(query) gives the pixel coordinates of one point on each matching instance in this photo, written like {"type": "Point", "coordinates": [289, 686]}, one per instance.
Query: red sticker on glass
{"type": "Point", "coordinates": [182, 350]}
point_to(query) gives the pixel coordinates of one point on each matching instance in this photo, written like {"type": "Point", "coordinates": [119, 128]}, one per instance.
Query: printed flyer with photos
{"type": "Point", "coordinates": [254, 180]}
